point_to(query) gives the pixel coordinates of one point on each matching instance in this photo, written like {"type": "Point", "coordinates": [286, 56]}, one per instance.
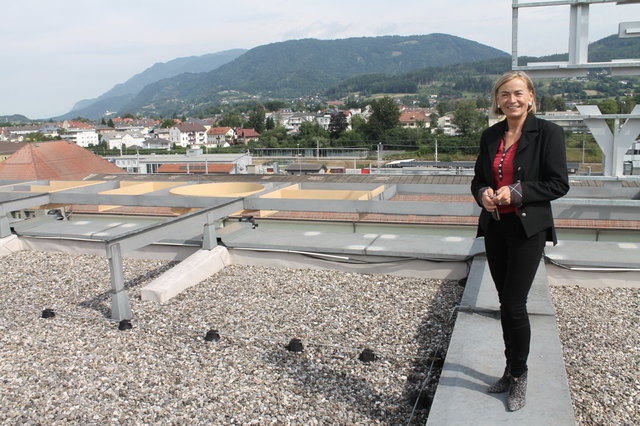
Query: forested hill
{"type": "Point", "coordinates": [121, 94]}
{"type": "Point", "coordinates": [603, 50]}
{"type": "Point", "coordinates": [474, 76]}
{"type": "Point", "coordinates": [304, 67]}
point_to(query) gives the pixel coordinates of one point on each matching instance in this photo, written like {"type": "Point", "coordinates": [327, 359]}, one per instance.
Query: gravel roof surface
{"type": "Point", "coordinates": [77, 367]}
{"type": "Point", "coordinates": [600, 335]}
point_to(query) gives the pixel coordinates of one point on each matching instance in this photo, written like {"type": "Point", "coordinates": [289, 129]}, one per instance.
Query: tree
{"type": "Point", "coordinates": [468, 119]}
{"type": "Point", "coordinates": [272, 138]}
{"type": "Point", "coordinates": [168, 123]}
{"type": "Point", "coordinates": [257, 118]}
{"type": "Point", "coordinates": [274, 105]}
{"type": "Point", "coordinates": [551, 103]}
{"type": "Point", "coordinates": [358, 124]}
{"type": "Point", "coordinates": [38, 137]}
{"type": "Point", "coordinates": [385, 115]}
{"type": "Point", "coordinates": [231, 120]}
{"type": "Point", "coordinates": [434, 120]}
{"type": "Point", "coordinates": [270, 124]}
{"type": "Point", "coordinates": [338, 124]}
{"type": "Point", "coordinates": [310, 131]}
{"type": "Point", "coordinates": [444, 107]}
{"type": "Point", "coordinates": [110, 123]}
{"type": "Point", "coordinates": [483, 102]}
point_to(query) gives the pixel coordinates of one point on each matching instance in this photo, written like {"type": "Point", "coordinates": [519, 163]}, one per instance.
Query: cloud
{"type": "Point", "coordinates": [56, 53]}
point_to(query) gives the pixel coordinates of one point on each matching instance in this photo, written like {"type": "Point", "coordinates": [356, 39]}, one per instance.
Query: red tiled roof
{"type": "Point", "coordinates": [218, 130]}
{"type": "Point", "coordinates": [8, 148]}
{"type": "Point", "coordinates": [191, 127]}
{"type": "Point", "coordinates": [247, 133]}
{"type": "Point", "coordinates": [195, 168]}
{"type": "Point", "coordinates": [77, 125]}
{"type": "Point", "coordinates": [54, 160]}
{"type": "Point", "coordinates": [413, 116]}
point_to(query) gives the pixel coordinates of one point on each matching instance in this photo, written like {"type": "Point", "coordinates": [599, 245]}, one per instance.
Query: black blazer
{"type": "Point", "coordinates": [540, 165]}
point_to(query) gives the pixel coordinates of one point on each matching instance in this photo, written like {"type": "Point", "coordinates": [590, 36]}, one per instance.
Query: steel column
{"type": "Point", "coordinates": [5, 229]}
{"type": "Point", "coordinates": [613, 145]}
{"type": "Point", "coordinates": [120, 307]}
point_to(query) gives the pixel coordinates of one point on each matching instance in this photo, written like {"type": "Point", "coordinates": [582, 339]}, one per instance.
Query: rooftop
{"type": "Point", "coordinates": [410, 226]}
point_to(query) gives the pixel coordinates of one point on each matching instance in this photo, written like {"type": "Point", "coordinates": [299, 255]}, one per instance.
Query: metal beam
{"type": "Point", "coordinates": [138, 200]}
{"type": "Point", "coordinates": [152, 233]}
{"type": "Point", "coordinates": [578, 63]}
{"type": "Point", "coordinates": [564, 2]}
{"type": "Point", "coordinates": [5, 226]}
{"type": "Point", "coordinates": [613, 145]}
{"type": "Point", "coordinates": [120, 307]}
{"type": "Point", "coordinates": [12, 202]}
{"type": "Point", "coordinates": [579, 34]}
{"type": "Point", "coordinates": [365, 207]}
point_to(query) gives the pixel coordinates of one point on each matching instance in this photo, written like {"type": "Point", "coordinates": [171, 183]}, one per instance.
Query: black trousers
{"type": "Point", "coordinates": [513, 261]}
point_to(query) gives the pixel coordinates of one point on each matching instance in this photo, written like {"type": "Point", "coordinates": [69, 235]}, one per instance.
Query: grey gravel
{"type": "Point", "coordinates": [600, 335]}
{"type": "Point", "coordinates": [78, 368]}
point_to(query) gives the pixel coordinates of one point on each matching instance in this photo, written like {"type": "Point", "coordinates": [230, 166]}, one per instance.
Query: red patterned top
{"type": "Point", "coordinates": [503, 171]}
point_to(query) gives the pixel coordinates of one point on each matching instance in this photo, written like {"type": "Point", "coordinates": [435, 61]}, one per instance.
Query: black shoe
{"type": "Point", "coordinates": [517, 392]}
{"type": "Point", "coordinates": [503, 384]}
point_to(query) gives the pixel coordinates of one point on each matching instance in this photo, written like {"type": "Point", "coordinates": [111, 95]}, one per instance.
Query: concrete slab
{"type": "Point", "coordinates": [397, 245]}
{"type": "Point", "coordinates": [296, 240]}
{"type": "Point", "coordinates": [417, 268]}
{"type": "Point", "coordinates": [10, 244]}
{"type": "Point", "coordinates": [474, 361]}
{"type": "Point", "coordinates": [81, 227]}
{"type": "Point", "coordinates": [421, 246]}
{"type": "Point", "coordinates": [596, 254]}
{"type": "Point", "coordinates": [191, 271]}
{"type": "Point", "coordinates": [563, 277]}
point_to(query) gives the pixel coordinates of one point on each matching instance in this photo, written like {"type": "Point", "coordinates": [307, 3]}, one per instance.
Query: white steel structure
{"type": "Point", "coordinates": [613, 144]}
{"type": "Point", "coordinates": [578, 63]}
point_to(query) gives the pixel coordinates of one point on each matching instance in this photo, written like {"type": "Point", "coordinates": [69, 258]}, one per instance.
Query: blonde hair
{"type": "Point", "coordinates": [511, 75]}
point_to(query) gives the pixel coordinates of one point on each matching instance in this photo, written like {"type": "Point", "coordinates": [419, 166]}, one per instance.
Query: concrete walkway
{"type": "Point", "coordinates": [475, 360]}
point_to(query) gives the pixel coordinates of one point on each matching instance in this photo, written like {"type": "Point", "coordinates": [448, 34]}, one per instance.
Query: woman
{"type": "Point", "coordinates": [521, 167]}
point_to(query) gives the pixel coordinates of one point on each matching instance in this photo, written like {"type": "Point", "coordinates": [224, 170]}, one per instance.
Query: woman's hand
{"type": "Point", "coordinates": [488, 200]}
{"type": "Point", "coordinates": [502, 197]}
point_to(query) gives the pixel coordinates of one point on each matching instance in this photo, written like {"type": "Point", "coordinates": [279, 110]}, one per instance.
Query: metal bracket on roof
{"type": "Point", "coordinates": [5, 228]}
{"type": "Point", "coordinates": [209, 239]}
{"type": "Point", "coordinates": [120, 307]}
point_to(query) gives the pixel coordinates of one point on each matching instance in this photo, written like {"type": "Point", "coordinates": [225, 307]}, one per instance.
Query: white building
{"type": "Point", "coordinates": [146, 164]}
{"type": "Point", "coordinates": [632, 160]}
{"type": "Point", "coordinates": [156, 143]}
{"type": "Point", "coordinates": [115, 140]}
{"type": "Point", "coordinates": [293, 123]}
{"type": "Point", "coordinates": [220, 136]}
{"type": "Point", "coordinates": [188, 134]}
{"type": "Point", "coordinates": [445, 123]}
{"type": "Point", "coordinates": [323, 120]}
{"type": "Point", "coordinates": [83, 138]}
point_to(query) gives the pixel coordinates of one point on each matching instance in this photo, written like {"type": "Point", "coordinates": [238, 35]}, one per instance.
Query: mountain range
{"type": "Point", "coordinates": [279, 70]}
{"type": "Point", "coordinates": [308, 67]}
{"type": "Point", "coordinates": [120, 94]}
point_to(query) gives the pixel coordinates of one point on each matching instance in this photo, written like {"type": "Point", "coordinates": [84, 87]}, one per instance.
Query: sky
{"type": "Point", "coordinates": [56, 53]}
